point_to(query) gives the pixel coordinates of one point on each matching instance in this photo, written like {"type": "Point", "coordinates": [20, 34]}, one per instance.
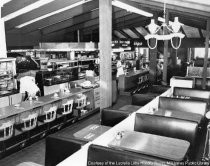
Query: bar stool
{"type": "Point", "coordinates": [67, 107]}
{"type": "Point", "coordinates": [81, 104]}
{"type": "Point", "coordinates": [50, 115]}
{"type": "Point", "coordinates": [30, 122]}
{"type": "Point", "coordinates": [7, 129]}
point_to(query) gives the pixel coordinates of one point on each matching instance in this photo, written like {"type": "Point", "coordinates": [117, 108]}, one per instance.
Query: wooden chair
{"type": "Point", "coordinates": [7, 129]}
{"type": "Point", "coordinates": [30, 122]}
{"type": "Point", "coordinates": [67, 107]}
{"type": "Point", "coordinates": [50, 115]}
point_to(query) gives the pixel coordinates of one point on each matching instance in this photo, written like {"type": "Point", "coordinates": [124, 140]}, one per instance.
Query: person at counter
{"type": "Point", "coordinates": [120, 70]}
{"type": "Point", "coordinates": [28, 88]}
{"type": "Point", "coordinates": [139, 62]}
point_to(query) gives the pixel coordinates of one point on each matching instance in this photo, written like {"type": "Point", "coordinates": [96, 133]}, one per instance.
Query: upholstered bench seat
{"type": "Point", "coordinates": [111, 117]}
{"type": "Point", "coordinates": [60, 147]}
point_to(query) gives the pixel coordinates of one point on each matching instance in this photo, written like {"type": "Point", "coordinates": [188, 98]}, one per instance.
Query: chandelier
{"type": "Point", "coordinates": [173, 28]}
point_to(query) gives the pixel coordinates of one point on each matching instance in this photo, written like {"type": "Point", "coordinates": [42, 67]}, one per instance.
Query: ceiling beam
{"type": "Point", "coordinates": [16, 5]}
{"type": "Point", "coordinates": [87, 11]}
{"type": "Point", "coordinates": [184, 9]}
{"type": "Point", "coordinates": [41, 11]}
{"type": "Point", "coordinates": [81, 22]}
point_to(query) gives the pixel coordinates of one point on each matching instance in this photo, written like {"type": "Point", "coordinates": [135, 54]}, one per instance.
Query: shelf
{"type": "Point", "coordinates": [91, 59]}
{"type": "Point", "coordinates": [63, 61]}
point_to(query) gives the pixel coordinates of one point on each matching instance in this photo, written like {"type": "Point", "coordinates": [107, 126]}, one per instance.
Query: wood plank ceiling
{"type": "Point", "coordinates": [64, 25]}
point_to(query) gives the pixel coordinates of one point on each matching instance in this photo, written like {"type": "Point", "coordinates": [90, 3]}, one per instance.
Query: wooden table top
{"type": "Point", "coordinates": [159, 146]}
{"type": "Point", "coordinates": [179, 114]}
{"type": "Point", "coordinates": [91, 132]}
{"type": "Point", "coordinates": [43, 100]}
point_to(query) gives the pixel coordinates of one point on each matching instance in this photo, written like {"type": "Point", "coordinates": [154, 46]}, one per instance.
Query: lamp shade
{"type": "Point", "coordinates": [176, 25]}
{"type": "Point", "coordinates": [153, 27]}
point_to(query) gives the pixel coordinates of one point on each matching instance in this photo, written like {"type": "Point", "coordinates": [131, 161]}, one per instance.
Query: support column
{"type": "Point", "coordinates": [165, 63]}
{"type": "Point", "coordinates": [206, 55]}
{"type": "Point", "coordinates": [153, 59]}
{"type": "Point", "coordinates": [105, 34]}
{"type": "Point", "coordinates": [3, 47]}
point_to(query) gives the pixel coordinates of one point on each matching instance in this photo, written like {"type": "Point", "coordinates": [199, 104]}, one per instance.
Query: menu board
{"type": "Point", "coordinates": [121, 44]}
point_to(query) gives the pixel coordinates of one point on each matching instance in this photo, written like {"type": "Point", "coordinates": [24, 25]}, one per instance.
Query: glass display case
{"type": "Point", "coordinates": [7, 74]}
{"type": "Point", "coordinates": [59, 72]}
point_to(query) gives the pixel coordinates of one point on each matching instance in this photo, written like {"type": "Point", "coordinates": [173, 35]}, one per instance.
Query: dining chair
{"type": "Point", "coordinates": [81, 102]}
{"type": "Point", "coordinates": [30, 122]}
{"type": "Point", "coordinates": [67, 107]}
{"type": "Point", "coordinates": [7, 130]}
{"type": "Point", "coordinates": [50, 114]}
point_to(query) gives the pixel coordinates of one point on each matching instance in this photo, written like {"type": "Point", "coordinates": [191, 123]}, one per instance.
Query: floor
{"type": "Point", "coordinates": [36, 152]}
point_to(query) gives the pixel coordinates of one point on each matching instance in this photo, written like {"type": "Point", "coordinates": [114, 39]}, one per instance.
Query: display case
{"type": "Point", "coordinates": [7, 75]}
{"type": "Point", "coordinates": [59, 72]}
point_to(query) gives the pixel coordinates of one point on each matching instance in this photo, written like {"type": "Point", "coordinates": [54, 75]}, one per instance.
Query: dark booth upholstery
{"type": "Point", "coordinates": [111, 117]}
{"type": "Point", "coordinates": [59, 148]}
{"type": "Point", "coordinates": [198, 83]}
{"type": "Point", "coordinates": [192, 106]}
{"type": "Point", "coordinates": [100, 154]}
{"type": "Point", "coordinates": [169, 127]}
{"type": "Point", "coordinates": [193, 93]}
{"type": "Point", "coordinates": [142, 99]}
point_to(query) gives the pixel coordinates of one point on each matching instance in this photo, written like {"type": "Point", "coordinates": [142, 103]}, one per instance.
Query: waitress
{"type": "Point", "coordinates": [120, 70]}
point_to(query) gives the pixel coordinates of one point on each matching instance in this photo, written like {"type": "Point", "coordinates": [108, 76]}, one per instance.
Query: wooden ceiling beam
{"type": "Point", "coordinates": [179, 7]}
{"type": "Point", "coordinates": [88, 10]}
{"type": "Point", "coordinates": [43, 10]}
{"type": "Point", "coordinates": [15, 5]}
{"type": "Point", "coordinates": [118, 24]}
{"type": "Point", "coordinates": [81, 22]}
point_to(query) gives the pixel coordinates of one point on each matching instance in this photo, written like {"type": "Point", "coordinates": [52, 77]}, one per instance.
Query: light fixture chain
{"type": "Point", "coordinates": [164, 11]}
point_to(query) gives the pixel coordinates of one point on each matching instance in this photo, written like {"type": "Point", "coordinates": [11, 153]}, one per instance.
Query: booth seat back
{"type": "Point", "coordinates": [59, 148]}
{"type": "Point", "coordinates": [142, 99]}
{"type": "Point", "coordinates": [111, 117]}
{"type": "Point", "coordinates": [193, 106]}
{"type": "Point", "coordinates": [198, 93]}
{"type": "Point", "coordinates": [167, 126]}
{"type": "Point", "coordinates": [198, 83]}
{"type": "Point", "coordinates": [101, 154]}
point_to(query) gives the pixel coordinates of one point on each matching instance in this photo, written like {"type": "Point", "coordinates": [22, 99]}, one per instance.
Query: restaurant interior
{"type": "Point", "coordinates": [104, 82]}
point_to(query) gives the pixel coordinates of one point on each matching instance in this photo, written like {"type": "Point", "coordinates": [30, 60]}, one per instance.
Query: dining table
{"type": "Point", "coordinates": [91, 132]}
{"type": "Point", "coordinates": [167, 148]}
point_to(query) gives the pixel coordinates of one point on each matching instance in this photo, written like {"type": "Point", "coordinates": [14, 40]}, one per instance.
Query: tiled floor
{"type": "Point", "coordinates": [36, 152]}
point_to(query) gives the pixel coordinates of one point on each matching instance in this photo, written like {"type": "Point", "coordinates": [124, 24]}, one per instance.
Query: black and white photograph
{"type": "Point", "coordinates": [104, 82]}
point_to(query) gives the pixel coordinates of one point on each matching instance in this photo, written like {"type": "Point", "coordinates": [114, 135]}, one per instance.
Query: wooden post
{"type": "Point", "coordinates": [3, 47]}
{"type": "Point", "coordinates": [165, 63]}
{"type": "Point", "coordinates": [206, 55]}
{"type": "Point", "coordinates": [105, 32]}
{"type": "Point", "coordinates": [153, 59]}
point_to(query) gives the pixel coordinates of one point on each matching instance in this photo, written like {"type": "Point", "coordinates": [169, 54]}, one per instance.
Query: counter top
{"type": "Point", "coordinates": [43, 100]}
{"type": "Point", "coordinates": [132, 73]}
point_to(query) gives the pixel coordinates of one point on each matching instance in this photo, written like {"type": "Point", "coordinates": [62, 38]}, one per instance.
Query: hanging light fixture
{"type": "Point", "coordinates": [173, 28]}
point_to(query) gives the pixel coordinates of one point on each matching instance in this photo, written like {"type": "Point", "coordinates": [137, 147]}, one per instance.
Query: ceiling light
{"type": "Point", "coordinates": [131, 8]}
{"type": "Point", "coordinates": [3, 2]}
{"type": "Point", "coordinates": [53, 13]}
{"type": "Point", "coordinates": [172, 27]}
{"type": "Point", "coordinates": [27, 9]}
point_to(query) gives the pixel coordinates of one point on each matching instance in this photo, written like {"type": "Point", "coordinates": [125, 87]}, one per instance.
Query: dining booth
{"type": "Point", "coordinates": [144, 137]}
